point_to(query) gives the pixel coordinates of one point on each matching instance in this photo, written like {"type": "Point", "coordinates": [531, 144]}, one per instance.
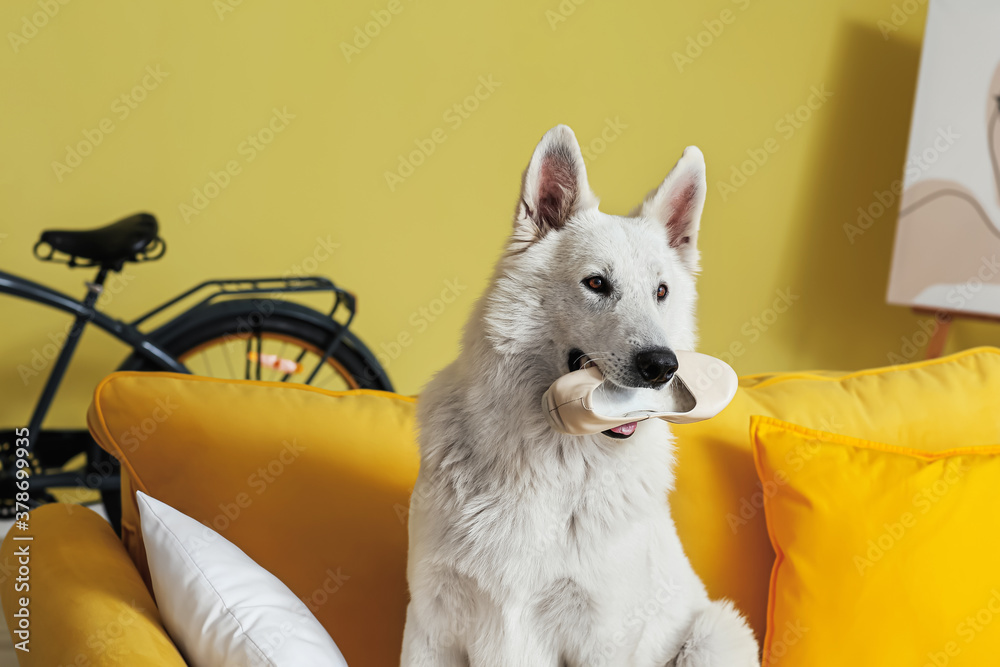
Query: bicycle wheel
{"type": "Point", "coordinates": [258, 340]}
{"type": "Point", "coordinates": [221, 340]}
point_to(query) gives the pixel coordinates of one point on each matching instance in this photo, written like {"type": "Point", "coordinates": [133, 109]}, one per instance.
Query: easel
{"type": "Point", "coordinates": [935, 345]}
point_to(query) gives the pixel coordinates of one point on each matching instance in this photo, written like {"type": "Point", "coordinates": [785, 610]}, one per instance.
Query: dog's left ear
{"type": "Point", "coordinates": [678, 202]}
{"type": "Point", "coordinates": [554, 186]}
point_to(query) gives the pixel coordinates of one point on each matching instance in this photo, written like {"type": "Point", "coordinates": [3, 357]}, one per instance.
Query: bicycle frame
{"type": "Point", "coordinates": [84, 313]}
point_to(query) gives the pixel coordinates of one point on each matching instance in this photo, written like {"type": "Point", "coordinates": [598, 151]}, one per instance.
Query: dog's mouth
{"type": "Point", "coordinates": [622, 432]}
{"type": "Point", "coordinates": [578, 360]}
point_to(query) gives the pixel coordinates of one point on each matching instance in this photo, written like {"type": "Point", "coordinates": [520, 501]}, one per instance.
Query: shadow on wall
{"type": "Point", "coordinates": [850, 210]}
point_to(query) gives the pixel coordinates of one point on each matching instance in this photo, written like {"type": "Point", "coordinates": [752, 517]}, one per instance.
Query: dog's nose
{"type": "Point", "coordinates": [656, 365]}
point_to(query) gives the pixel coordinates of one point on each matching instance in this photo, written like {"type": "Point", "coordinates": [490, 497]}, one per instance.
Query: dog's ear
{"type": "Point", "coordinates": [553, 187]}
{"type": "Point", "coordinates": [678, 202]}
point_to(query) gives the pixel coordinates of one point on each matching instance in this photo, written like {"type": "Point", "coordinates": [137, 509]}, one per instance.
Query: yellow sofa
{"type": "Point", "coordinates": [315, 486]}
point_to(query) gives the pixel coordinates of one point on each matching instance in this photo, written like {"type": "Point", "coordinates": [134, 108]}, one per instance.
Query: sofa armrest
{"type": "Point", "coordinates": [87, 604]}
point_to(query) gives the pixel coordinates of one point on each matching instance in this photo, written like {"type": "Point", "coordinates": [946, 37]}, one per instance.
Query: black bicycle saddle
{"type": "Point", "coordinates": [131, 239]}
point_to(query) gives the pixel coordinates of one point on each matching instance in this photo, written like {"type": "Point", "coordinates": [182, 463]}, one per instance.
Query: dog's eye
{"type": "Point", "coordinates": [661, 292]}
{"type": "Point", "coordinates": [597, 284]}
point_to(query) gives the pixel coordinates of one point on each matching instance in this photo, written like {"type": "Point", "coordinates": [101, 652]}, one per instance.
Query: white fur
{"type": "Point", "coordinates": [529, 547]}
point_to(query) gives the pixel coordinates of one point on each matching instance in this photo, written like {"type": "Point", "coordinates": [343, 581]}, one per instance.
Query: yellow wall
{"type": "Point", "coordinates": [323, 176]}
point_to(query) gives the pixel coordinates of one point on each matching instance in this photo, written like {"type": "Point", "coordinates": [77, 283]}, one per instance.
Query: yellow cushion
{"type": "Point", "coordinates": [886, 555]}
{"type": "Point", "coordinates": [717, 503]}
{"type": "Point", "coordinates": [87, 604]}
{"type": "Point", "coordinates": [313, 485]}
{"type": "Point", "coordinates": [357, 481]}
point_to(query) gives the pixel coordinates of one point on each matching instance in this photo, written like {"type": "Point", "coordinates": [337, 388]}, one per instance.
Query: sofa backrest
{"type": "Point", "coordinates": [717, 502]}
{"type": "Point", "coordinates": [314, 485]}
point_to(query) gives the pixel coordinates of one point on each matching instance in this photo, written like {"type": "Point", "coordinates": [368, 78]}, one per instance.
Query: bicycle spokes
{"type": "Point", "coordinates": [266, 356]}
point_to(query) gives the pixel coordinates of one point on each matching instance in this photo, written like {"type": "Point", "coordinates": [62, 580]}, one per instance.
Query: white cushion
{"type": "Point", "coordinates": [219, 606]}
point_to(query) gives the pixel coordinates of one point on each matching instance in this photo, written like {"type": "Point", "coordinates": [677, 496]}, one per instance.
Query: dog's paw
{"type": "Point", "coordinates": [719, 637]}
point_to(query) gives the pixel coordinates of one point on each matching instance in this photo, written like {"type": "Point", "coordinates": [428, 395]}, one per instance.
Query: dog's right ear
{"type": "Point", "coordinates": [677, 204]}
{"type": "Point", "coordinates": [554, 186]}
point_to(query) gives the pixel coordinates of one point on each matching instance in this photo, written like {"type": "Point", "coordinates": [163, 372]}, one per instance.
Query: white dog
{"type": "Point", "coordinates": [533, 548]}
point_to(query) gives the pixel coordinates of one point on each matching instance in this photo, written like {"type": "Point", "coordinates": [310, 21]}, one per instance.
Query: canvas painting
{"type": "Point", "coordinates": [947, 249]}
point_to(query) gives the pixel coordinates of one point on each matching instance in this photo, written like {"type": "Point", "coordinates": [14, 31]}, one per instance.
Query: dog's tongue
{"type": "Point", "coordinates": [625, 429]}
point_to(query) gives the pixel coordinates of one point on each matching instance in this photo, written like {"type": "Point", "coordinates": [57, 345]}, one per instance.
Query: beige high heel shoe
{"type": "Point", "coordinates": [582, 403]}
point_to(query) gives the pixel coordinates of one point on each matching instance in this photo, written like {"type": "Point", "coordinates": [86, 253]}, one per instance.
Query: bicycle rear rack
{"type": "Point", "coordinates": [237, 287]}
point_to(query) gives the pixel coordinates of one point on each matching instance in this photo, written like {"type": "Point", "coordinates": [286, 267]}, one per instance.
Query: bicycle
{"type": "Point", "coordinates": [238, 327]}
